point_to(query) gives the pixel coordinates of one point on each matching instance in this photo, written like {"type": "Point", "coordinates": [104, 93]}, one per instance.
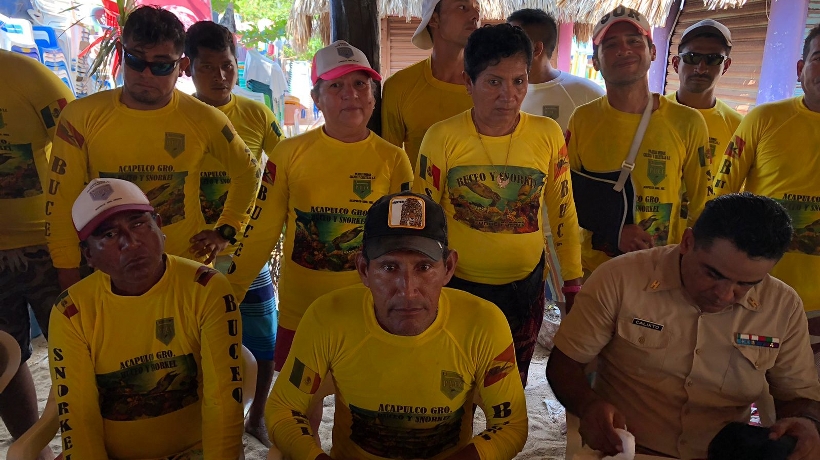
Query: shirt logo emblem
{"type": "Point", "coordinates": [174, 144]}
{"type": "Point", "coordinates": [452, 384]}
{"type": "Point", "coordinates": [165, 330]}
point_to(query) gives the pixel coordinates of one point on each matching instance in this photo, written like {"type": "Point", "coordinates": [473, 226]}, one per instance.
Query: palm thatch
{"type": "Point", "coordinates": [311, 17]}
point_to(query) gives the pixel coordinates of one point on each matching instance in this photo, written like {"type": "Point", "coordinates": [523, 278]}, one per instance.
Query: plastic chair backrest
{"type": "Point", "coordinates": [9, 359]}
{"type": "Point", "coordinates": [248, 379]}
{"type": "Point", "coordinates": [31, 443]}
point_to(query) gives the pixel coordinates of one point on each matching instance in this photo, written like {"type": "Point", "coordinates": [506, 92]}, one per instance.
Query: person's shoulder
{"type": "Point", "coordinates": [684, 119]}
{"type": "Point", "coordinates": [192, 274]}
{"type": "Point", "coordinates": [452, 125]}
{"type": "Point", "coordinates": [343, 304]}
{"type": "Point", "coordinates": [591, 109]}
{"type": "Point", "coordinates": [385, 148]}
{"type": "Point", "coordinates": [464, 306]}
{"type": "Point", "coordinates": [637, 263]}
{"type": "Point", "coordinates": [778, 294]}
{"type": "Point", "coordinates": [305, 139]}
{"type": "Point", "coordinates": [82, 296]}
{"type": "Point", "coordinates": [99, 101]}
{"type": "Point", "coordinates": [776, 111]}
{"type": "Point", "coordinates": [575, 82]}
{"type": "Point", "coordinates": [199, 111]}
{"type": "Point", "coordinates": [543, 125]}
{"type": "Point", "coordinates": [407, 76]}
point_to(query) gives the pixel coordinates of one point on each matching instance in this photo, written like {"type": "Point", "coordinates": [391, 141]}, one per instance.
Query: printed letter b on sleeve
{"type": "Point", "coordinates": [501, 366]}
{"type": "Point", "coordinates": [304, 378]}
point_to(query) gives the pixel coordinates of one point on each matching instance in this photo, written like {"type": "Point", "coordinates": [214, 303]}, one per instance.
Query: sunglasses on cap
{"type": "Point", "coordinates": [695, 58]}
{"type": "Point", "coordinates": [159, 69]}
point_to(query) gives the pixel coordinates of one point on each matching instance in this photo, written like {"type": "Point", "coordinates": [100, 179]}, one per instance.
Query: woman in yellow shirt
{"type": "Point", "coordinates": [492, 168]}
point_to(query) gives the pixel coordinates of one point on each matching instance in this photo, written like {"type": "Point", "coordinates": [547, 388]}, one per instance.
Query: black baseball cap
{"type": "Point", "coordinates": [405, 221]}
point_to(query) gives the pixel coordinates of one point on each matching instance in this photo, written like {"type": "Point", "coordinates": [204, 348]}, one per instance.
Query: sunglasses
{"type": "Point", "coordinates": [159, 69]}
{"type": "Point", "coordinates": [695, 58]}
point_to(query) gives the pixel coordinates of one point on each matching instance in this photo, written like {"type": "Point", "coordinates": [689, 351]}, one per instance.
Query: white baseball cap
{"type": "Point", "coordinates": [101, 199]}
{"type": "Point", "coordinates": [707, 26]}
{"type": "Point", "coordinates": [621, 14]}
{"type": "Point", "coordinates": [421, 38]}
{"type": "Point", "coordinates": [337, 59]}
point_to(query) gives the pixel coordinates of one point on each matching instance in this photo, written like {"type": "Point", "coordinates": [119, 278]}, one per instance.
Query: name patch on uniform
{"type": "Point", "coordinates": [757, 340]}
{"type": "Point", "coordinates": [647, 324]}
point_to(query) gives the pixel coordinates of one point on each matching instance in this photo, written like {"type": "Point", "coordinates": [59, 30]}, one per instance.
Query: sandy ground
{"type": "Point", "coordinates": [547, 423]}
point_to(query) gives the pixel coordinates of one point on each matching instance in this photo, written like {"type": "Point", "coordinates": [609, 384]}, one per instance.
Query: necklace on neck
{"type": "Point", "coordinates": [501, 179]}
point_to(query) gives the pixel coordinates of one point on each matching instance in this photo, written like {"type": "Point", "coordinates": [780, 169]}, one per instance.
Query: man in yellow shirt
{"type": "Point", "coordinates": [145, 353]}
{"type": "Point", "coordinates": [671, 155]}
{"type": "Point", "coordinates": [703, 57]}
{"type": "Point", "coordinates": [155, 136]}
{"type": "Point", "coordinates": [407, 355]}
{"type": "Point", "coordinates": [213, 69]}
{"type": "Point", "coordinates": [774, 151]}
{"type": "Point", "coordinates": [431, 90]}
{"type": "Point", "coordinates": [30, 106]}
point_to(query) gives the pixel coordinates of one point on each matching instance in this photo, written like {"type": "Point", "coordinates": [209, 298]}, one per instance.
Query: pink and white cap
{"type": "Point", "coordinates": [338, 59]}
{"type": "Point", "coordinates": [621, 14]}
{"type": "Point", "coordinates": [101, 199]}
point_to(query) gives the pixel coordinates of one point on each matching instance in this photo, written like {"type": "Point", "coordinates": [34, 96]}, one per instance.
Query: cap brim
{"type": "Point", "coordinates": [92, 225]}
{"type": "Point", "coordinates": [421, 38]}
{"type": "Point", "coordinates": [596, 40]}
{"type": "Point", "coordinates": [380, 246]}
{"type": "Point", "coordinates": [346, 69]}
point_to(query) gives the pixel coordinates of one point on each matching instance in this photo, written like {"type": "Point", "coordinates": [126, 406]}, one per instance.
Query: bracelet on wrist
{"type": "Point", "coordinates": [571, 289]}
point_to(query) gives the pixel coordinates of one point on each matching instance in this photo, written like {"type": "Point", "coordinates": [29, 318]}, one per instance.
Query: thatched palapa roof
{"type": "Point", "coordinates": [311, 17]}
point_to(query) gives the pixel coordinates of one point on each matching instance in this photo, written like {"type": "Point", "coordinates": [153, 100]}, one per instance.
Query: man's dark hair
{"type": "Point", "coordinates": [437, 9]}
{"type": "Point", "coordinates": [813, 33]}
{"type": "Point", "coordinates": [210, 35]}
{"type": "Point", "coordinates": [756, 225]}
{"type": "Point", "coordinates": [490, 44]}
{"type": "Point", "coordinates": [718, 37]}
{"type": "Point", "coordinates": [541, 27]}
{"type": "Point", "coordinates": [150, 25]}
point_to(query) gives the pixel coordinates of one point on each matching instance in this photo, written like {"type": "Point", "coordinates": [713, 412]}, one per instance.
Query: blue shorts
{"type": "Point", "coordinates": [260, 317]}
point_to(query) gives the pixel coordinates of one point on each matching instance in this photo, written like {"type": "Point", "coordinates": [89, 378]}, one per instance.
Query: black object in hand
{"type": "Point", "coordinates": [738, 441]}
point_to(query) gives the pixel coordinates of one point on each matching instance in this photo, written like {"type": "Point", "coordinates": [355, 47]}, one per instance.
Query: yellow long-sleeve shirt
{"type": "Point", "coordinates": [159, 150]}
{"type": "Point", "coordinates": [671, 157]}
{"type": "Point", "coordinates": [401, 396]}
{"type": "Point", "coordinates": [30, 105]}
{"type": "Point", "coordinates": [774, 150]}
{"type": "Point", "coordinates": [498, 231]}
{"type": "Point", "coordinates": [257, 126]}
{"type": "Point", "coordinates": [413, 101]}
{"type": "Point", "coordinates": [320, 188]}
{"type": "Point", "coordinates": [149, 376]}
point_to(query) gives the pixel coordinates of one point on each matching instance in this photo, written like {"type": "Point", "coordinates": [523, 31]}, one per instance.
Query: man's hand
{"type": "Point", "coordinates": [634, 238]}
{"type": "Point", "coordinates": [598, 422]}
{"type": "Point", "coordinates": [805, 431]}
{"type": "Point", "coordinates": [207, 243]}
{"type": "Point", "coordinates": [67, 277]}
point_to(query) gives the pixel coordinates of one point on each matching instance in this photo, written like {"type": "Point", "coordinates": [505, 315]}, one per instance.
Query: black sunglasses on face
{"type": "Point", "coordinates": [695, 58]}
{"type": "Point", "coordinates": [159, 69]}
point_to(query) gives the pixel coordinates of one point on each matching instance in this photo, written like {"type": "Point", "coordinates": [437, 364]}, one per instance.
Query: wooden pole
{"type": "Point", "coordinates": [357, 22]}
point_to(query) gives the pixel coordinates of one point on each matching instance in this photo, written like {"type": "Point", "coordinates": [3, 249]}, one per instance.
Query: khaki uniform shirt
{"type": "Point", "coordinates": [679, 375]}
